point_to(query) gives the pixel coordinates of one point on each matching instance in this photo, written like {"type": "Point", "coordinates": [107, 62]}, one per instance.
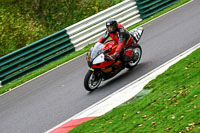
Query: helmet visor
{"type": "Point", "coordinates": [110, 28]}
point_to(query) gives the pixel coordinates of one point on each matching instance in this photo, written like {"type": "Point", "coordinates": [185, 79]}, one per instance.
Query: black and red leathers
{"type": "Point", "coordinates": [122, 37]}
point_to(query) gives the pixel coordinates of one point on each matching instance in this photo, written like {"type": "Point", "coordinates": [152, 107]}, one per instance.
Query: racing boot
{"type": "Point", "coordinates": [128, 54]}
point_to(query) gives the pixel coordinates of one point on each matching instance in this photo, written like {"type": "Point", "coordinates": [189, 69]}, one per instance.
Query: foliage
{"type": "Point", "coordinates": [17, 30]}
{"type": "Point", "coordinates": [23, 22]}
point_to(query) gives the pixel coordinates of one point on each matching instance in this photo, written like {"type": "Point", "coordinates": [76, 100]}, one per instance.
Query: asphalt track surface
{"type": "Point", "coordinates": [58, 95]}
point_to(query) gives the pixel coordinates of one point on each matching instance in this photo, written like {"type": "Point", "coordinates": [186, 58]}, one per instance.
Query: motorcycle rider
{"type": "Point", "coordinates": [121, 36]}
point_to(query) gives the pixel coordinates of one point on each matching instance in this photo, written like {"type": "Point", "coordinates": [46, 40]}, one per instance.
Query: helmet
{"type": "Point", "coordinates": [111, 25]}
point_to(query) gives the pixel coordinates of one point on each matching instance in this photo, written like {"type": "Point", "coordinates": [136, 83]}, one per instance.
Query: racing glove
{"type": "Point", "coordinates": [113, 56]}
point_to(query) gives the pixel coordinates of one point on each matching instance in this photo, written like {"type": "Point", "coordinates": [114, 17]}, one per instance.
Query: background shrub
{"type": "Point", "coordinates": [23, 22]}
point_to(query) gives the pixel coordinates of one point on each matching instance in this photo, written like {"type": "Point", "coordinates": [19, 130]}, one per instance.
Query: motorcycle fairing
{"type": "Point", "coordinates": [137, 33]}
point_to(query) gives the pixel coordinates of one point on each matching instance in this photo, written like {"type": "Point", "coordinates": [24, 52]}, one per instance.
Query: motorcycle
{"type": "Point", "coordinates": [102, 68]}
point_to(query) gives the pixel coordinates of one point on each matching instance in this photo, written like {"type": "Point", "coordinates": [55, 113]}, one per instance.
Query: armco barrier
{"type": "Point", "coordinates": [90, 29]}
{"type": "Point", "coordinates": [34, 55]}
{"type": "Point", "coordinates": [149, 7]}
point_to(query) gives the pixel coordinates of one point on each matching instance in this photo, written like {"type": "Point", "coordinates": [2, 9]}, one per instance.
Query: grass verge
{"type": "Point", "coordinates": [171, 106]}
{"type": "Point", "coordinates": [52, 65]}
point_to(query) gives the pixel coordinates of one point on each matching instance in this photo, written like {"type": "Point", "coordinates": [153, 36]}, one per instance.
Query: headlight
{"type": "Point", "coordinates": [99, 59]}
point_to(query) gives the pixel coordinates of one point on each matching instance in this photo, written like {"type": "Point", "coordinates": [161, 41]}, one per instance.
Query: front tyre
{"type": "Point", "coordinates": [92, 80]}
{"type": "Point", "coordinates": [136, 58]}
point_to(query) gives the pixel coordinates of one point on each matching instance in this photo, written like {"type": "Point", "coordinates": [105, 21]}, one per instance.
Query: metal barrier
{"type": "Point", "coordinates": [34, 55]}
{"type": "Point", "coordinates": [149, 7]}
{"type": "Point", "coordinates": [90, 29]}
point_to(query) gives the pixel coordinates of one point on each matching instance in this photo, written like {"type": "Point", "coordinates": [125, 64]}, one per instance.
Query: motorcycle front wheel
{"type": "Point", "coordinates": [92, 80]}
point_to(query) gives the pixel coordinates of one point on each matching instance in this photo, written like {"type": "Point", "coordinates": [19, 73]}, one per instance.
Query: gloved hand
{"type": "Point", "coordinates": [113, 56]}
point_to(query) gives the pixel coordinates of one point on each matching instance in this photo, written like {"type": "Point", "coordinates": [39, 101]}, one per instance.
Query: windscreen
{"type": "Point", "coordinates": [96, 50]}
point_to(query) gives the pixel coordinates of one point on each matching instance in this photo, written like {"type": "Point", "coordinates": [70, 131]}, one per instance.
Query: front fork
{"type": "Point", "coordinates": [98, 73]}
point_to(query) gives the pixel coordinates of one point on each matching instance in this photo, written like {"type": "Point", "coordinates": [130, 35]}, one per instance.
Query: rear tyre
{"type": "Point", "coordinates": [92, 80]}
{"type": "Point", "coordinates": [136, 58]}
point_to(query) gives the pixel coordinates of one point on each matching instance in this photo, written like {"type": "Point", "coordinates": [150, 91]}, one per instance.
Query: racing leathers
{"type": "Point", "coordinates": [124, 40]}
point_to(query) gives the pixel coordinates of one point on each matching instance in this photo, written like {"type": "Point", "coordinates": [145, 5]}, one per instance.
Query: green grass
{"type": "Point", "coordinates": [173, 105]}
{"type": "Point", "coordinates": [52, 65]}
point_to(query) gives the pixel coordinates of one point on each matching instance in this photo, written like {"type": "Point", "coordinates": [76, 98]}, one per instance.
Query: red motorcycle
{"type": "Point", "coordinates": [102, 68]}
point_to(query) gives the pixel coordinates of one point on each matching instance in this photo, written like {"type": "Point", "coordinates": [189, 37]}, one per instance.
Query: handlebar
{"type": "Point", "coordinates": [107, 57]}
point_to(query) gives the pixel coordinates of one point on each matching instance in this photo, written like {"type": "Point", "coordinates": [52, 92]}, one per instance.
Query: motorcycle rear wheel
{"type": "Point", "coordinates": [92, 81]}
{"type": "Point", "coordinates": [138, 52]}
